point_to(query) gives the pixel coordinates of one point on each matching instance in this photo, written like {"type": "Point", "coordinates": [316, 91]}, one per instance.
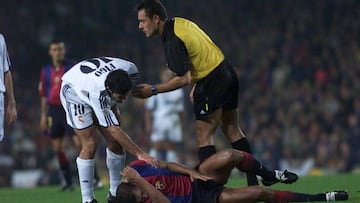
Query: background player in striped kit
{"type": "Point", "coordinates": [53, 118]}
{"type": "Point", "coordinates": [6, 88]}
{"type": "Point", "coordinates": [164, 116]}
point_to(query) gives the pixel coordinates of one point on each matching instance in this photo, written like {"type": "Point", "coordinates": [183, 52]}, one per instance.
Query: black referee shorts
{"type": "Point", "coordinates": [218, 90]}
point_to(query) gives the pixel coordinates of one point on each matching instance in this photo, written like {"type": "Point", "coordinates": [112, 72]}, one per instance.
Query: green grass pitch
{"type": "Point", "coordinates": [349, 182]}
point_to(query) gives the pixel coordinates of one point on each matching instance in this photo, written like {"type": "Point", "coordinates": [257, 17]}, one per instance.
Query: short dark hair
{"type": "Point", "coordinates": [119, 81]}
{"type": "Point", "coordinates": [125, 193]}
{"type": "Point", "coordinates": [153, 7]}
{"type": "Point", "coordinates": [56, 41]}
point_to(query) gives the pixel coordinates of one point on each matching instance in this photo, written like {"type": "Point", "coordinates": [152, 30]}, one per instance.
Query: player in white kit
{"type": "Point", "coordinates": [90, 93]}
{"type": "Point", "coordinates": [6, 88]}
{"type": "Point", "coordinates": [163, 120]}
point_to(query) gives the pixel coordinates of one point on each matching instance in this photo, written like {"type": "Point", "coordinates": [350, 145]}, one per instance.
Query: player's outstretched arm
{"type": "Point", "coordinates": [124, 140]}
{"type": "Point", "coordinates": [179, 168]}
{"type": "Point", "coordinates": [146, 90]}
{"type": "Point", "coordinates": [154, 194]}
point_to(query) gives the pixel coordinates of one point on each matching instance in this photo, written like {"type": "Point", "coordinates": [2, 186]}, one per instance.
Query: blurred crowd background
{"type": "Point", "coordinates": [298, 64]}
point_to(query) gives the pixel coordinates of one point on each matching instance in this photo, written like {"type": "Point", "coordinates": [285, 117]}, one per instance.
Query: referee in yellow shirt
{"type": "Point", "coordinates": [197, 60]}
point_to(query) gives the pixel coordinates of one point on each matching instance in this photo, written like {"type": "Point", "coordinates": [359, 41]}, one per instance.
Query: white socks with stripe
{"type": "Point", "coordinates": [86, 178]}
{"type": "Point", "coordinates": [115, 164]}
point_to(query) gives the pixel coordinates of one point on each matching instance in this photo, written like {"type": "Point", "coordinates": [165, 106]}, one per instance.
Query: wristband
{"type": "Point", "coordinates": [154, 90]}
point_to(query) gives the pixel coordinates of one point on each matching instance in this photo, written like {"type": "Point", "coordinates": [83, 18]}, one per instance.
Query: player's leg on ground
{"type": "Point", "coordinates": [115, 160]}
{"type": "Point", "coordinates": [231, 128]}
{"type": "Point", "coordinates": [219, 165]}
{"type": "Point", "coordinates": [205, 130]}
{"type": "Point", "coordinates": [63, 161]}
{"type": "Point", "coordinates": [85, 162]}
{"type": "Point", "coordinates": [258, 193]}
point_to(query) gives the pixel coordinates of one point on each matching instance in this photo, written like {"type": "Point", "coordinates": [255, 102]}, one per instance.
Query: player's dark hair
{"type": "Point", "coordinates": [119, 81]}
{"type": "Point", "coordinates": [56, 41]}
{"type": "Point", "coordinates": [153, 7]}
{"type": "Point", "coordinates": [125, 193]}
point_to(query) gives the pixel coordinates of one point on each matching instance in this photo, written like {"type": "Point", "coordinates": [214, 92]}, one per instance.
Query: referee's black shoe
{"type": "Point", "coordinates": [111, 198]}
{"type": "Point", "coordinates": [281, 177]}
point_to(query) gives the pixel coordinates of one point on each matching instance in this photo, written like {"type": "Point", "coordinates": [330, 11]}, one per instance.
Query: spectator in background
{"type": "Point", "coordinates": [164, 118]}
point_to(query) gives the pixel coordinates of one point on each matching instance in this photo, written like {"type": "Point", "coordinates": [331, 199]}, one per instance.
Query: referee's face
{"type": "Point", "coordinates": [149, 26]}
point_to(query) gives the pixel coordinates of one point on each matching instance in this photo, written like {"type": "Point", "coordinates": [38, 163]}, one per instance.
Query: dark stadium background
{"type": "Point", "coordinates": [298, 63]}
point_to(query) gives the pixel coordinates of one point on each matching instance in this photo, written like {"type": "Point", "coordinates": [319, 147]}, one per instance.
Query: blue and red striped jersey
{"type": "Point", "coordinates": [50, 82]}
{"type": "Point", "coordinates": [176, 187]}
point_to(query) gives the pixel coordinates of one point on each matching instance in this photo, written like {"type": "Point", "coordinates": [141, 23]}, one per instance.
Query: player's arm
{"type": "Point", "coordinates": [11, 112]}
{"type": "Point", "coordinates": [179, 168]}
{"type": "Point", "coordinates": [179, 62]}
{"type": "Point", "coordinates": [155, 195]}
{"type": "Point", "coordinates": [125, 141]}
{"type": "Point", "coordinates": [175, 83]}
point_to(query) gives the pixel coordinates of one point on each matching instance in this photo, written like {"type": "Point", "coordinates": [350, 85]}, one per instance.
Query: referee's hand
{"type": "Point", "coordinates": [142, 91]}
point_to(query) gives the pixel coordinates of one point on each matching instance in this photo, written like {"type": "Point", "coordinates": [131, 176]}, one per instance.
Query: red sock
{"type": "Point", "coordinates": [250, 164]}
{"type": "Point", "coordinates": [246, 163]}
{"type": "Point", "coordinates": [62, 158]}
{"type": "Point", "coordinates": [283, 196]}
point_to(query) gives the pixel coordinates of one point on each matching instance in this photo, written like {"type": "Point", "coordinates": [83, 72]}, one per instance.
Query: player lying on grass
{"type": "Point", "coordinates": [172, 182]}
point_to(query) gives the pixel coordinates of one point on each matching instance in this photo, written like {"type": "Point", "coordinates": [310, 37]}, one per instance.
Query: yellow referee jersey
{"type": "Point", "coordinates": [187, 47]}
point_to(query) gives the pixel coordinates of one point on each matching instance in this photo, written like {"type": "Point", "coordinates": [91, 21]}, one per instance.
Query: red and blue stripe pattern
{"type": "Point", "coordinates": [176, 187]}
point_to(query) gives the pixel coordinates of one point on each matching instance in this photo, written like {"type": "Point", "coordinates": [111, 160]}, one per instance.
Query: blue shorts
{"type": "Point", "coordinates": [57, 126]}
{"type": "Point", "coordinates": [206, 191]}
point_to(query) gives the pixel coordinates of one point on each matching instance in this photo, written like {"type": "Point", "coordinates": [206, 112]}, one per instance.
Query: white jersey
{"type": "Point", "coordinates": [88, 77]}
{"type": "Point", "coordinates": [165, 108]}
{"type": "Point", "coordinates": [4, 62]}
{"type": "Point", "coordinates": [83, 91]}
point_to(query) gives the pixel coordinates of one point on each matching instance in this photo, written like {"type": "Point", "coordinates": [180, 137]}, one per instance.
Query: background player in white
{"type": "Point", "coordinates": [6, 87]}
{"type": "Point", "coordinates": [163, 120]}
{"type": "Point", "coordinates": [90, 92]}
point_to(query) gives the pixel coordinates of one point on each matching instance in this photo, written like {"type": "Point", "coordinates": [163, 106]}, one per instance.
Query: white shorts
{"type": "Point", "coordinates": [80, 115]}
{"type": "Point", "coordinates": [2, 116]}
{"type": "Point", "coordinates": [166, 133]}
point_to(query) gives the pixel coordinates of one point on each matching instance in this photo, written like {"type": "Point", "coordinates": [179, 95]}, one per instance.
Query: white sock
{"type": "Point", "coordinates": [115, 164]}
{"type": "Point", "coordinates": [154, 153]}
{"type": "Point", "coordinates": [86, 178]}
{"type": "Point", "coordinates": [172, 156]}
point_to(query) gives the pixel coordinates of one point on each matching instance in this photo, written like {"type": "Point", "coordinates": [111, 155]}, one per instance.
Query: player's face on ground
{"type": "Point", "coordinates": [141, 195]}
{"type": "Point", "coordinates": [148, 25]}
{"type": "Point", "coordinates": [57, 52]}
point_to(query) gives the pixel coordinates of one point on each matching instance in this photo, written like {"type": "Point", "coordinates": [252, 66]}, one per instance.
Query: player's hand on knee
{"type": "Point", "coordinates": [149, 159]}
{"type": "Point", "coordinates": [194, 175]}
